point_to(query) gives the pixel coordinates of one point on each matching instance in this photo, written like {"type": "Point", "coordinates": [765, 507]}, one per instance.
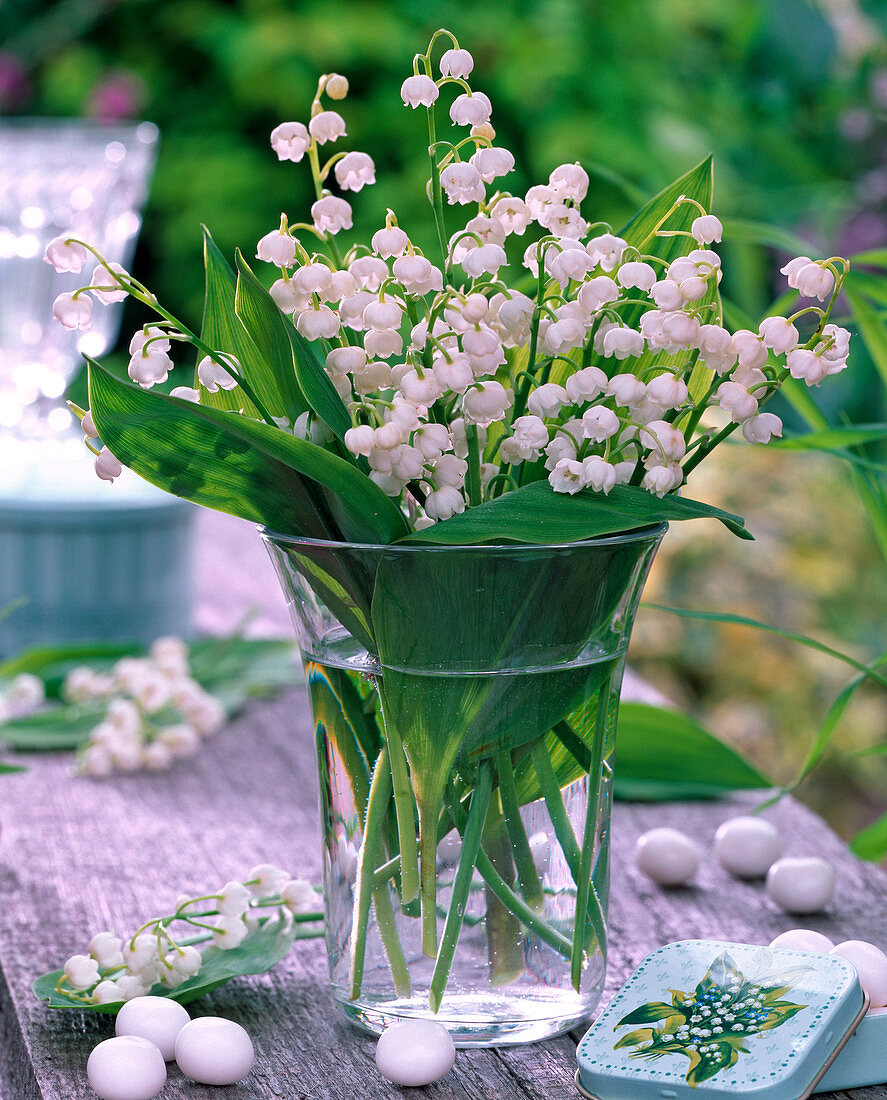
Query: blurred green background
{"type": "Point", "coordinates": [790, 96]}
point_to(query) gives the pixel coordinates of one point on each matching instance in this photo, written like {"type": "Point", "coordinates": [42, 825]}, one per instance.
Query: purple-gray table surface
{"type": "Point", "coordinates": [80, 855]}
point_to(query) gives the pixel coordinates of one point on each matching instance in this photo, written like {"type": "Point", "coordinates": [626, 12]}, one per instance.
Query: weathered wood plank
{"type": "Point", "coordinates": [77, 855]}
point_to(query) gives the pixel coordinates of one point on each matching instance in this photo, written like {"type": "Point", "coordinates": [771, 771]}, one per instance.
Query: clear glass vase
{"type": "Point", "coordinates": [464, 701]}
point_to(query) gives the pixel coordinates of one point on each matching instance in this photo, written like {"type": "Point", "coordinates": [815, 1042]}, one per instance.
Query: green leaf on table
{"type": "Point", "coordinates": [237, 669]}
{"type": "Point", "coordinates": [258, 953]}
{"type": "Point", "coordinates": [58, 729]}
{"type": "Point", "coordinates": [536, 514]}
{"type": "Point", "coordinates": [241, 466]}
{"type": "Point", "coordinates": [663, 755]}
{"type": "Point", "coordinates": [8, 769]}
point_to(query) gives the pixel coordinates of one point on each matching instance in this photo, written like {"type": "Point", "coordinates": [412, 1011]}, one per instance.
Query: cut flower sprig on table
{"type": "Point", "coordinates": [241, 928]}
{"type": "Point", "coordinates": [541, 378]}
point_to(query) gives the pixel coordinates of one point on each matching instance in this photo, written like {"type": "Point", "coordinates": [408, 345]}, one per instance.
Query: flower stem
{"type": "Point", "coordinates": [527, 875]}
{"type": "Point", "coordinates": [387, 925]}
{"type": "Point", "coordinates": [473, 480]}
{"type": "Point", "coordinates": [560, 822]}
{"type": "Point", "coordinates": [404, 808]}
{"type": "Point", "coordinates": [586, 895]}
{"type": "Point", "coordinates": [380, 793]}
{"type": "Point", "coordinates": [480, 801]}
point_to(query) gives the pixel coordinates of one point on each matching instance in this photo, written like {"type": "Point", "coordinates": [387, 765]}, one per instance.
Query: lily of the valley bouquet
{"type": "Point", "coordinates": [541, 378]}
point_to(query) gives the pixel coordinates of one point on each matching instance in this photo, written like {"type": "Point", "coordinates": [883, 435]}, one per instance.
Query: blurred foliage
{"type": "Point", "coordinates": [789, 95]}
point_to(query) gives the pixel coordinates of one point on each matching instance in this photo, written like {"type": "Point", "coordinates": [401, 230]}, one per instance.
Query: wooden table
{"type": "Point", "coordinates": [79, 855]}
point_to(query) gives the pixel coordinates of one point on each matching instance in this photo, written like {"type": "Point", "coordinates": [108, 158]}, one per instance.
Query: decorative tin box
{"type": "Point", "coordinates": [706, 1020]}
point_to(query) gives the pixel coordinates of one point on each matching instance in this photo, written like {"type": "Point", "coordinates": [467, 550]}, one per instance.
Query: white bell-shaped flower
{"type": "Point", "coordinates": [462, 184]}
{"type": "Point", "coordinates": [599, 474]}
{"type": "Point", "coordinates": [623, 342]}
{"type": "Point", "coordinates": [586, 384]}
{"type": "Point", "coordinates": [737, 400]}
{"type": "Point", "coordinates": [327, 126]}
{"type": "Point", "coordinates": [318, 322]}
{"type": "Point", "coordinates": [779, 334]}
{"type": "Point", "coordinates": [707, 228]}
{"type": "Point", "coordinates": [815, 281]}
{"type": "Point", "coordinates": [105, 286]}
{"type": "Point", "coordinates": [512, 214]}
{"type": "Point", "coordinates": [277, 248]}
{"type": "Point", "coordinates": [354, 171]}
{"type": "Point", "coordinates": [150, 366]}
{"type": "Point", "coordinates": [485, 259]}
{"type": "Point", "coordinates": [417, 275]}
{"type": "Point", "coordinates": [638, 274]}
{"type": "Point", "coordinates": [290, 141]}
{"type": "Point", "coordinates": [73, 310]}
{"type": "Point", "coordinates": [600, 423]}
{"type": "Point", "coordinates": [419, 91]}
{"type": "Point", "coordinates": [762, 428]}
{"type": "Point", "coordinates": [547, 400]}
{"type": "Point", "coordinates": [486, 402]}
{"type": "Point", "coordinates": [390, 241]}
{"type": "Point", "coordinates": [444, 502]}
{"type": "Point", "coordinates": [492, 162]}
{"type": "Point", "coordinates": [471, 110]}
{"type": "Point", "coordinates": [569, 181]}
{"type": "Point", "coordinates": [65, 254]}
{"type": "Point", "coordinates": [568, 476]}
{"type": "Point", "coordinates": [331, 214]}
{"type": "Point", "coordinates": [458, 63]}
{"type": "Point", "coordinates": [213, 376]}
{"type": "Point", "coordinates": [106, 465]}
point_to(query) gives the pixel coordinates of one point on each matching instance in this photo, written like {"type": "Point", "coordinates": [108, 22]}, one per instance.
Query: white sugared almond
{"type": "Point", "coordinates": [871, 965]}
{"type": "Point", "coordinates": [126, 1068]}
{"type": "Point", "coordinates": [415, 1052]}
{"type": "Point", "coordinates": [157, 1019]}
{"type": "Point", "coordinates": [803, 939]}
{"type": "Point", "coordinates": [667, 856]}
{"type": "Point", "coordinates": [747, 847]}
{"type": "Point", "coordinates": [801, 884]}
{"type": "Point", "coordinates": [214, 1051]}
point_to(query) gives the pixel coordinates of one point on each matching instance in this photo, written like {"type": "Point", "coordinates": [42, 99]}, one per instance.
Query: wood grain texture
{"type": "Point", "coordinates": [80, 855]}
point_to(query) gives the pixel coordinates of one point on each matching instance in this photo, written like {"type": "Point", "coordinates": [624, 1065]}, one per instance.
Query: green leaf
{"type": "Point", "coordinates": [650, 1013]}
{"type": "Point", "coordinates": [830, 439]}
{"type": "Point", "coordinates": [695, 184]}
{"type": "Point", "coordinates": [536, 514]}
{"type": "Point", "coordinates": [55, 730]}
{"type": "Point", "coordinates": [241, 466]}
{"type": "Point", "coordinates": [871, 842]}
{"type": "Point", "coordinates": [774, 236]}
{"type": "Point", "coordinates": [663, 754]}
{"type": "Point", "coordinates": [872, 330]}
{"type": "Point", "coordinates": [222, 331]}
{"type": "Point", "coordinates": [267, 328]}
{"type": "Point", "coordinates": [319, 391]}
{"type": "Point", "coordinates": [8, 769]}
{"type": "Point", "coordinates": [789, 635]}
{"type": "Point", "coordinates": [877, 257]}
{"type": "Point", "coordinates": [258, 953]}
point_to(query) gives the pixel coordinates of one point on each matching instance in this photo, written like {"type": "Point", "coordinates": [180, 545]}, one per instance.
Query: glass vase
{"type": "Point", "coordinates": [464, 702]}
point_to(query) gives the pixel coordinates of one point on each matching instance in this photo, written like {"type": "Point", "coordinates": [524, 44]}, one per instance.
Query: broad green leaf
{"type": "Point", "coordinates": [222, 331]}
{"type": "Point", "coordinates": [536, 514]}
{"type": "Point", "coordinates": [662, 754]}
{"type": "Point", "coordinates": [877, 257]}
{"type": "Point", "coordinates": [241, 466]}
{"type": "Point", "coordinates": [8, 769]}
{"type": "Point", "coordinates": [789, 635]}
{"type": "Point", "coordinates": [54, 662]}
{"type": "Point", "coordinates": [319, 391]}
{"type": "Point", "coordinates": [872, 329]}
{"type": "Point", "coordinates": [258, 953]}
{"type": "Point", "coordinates": [266, 325]}
{"type": "Point", "coordinates": [639, 231]}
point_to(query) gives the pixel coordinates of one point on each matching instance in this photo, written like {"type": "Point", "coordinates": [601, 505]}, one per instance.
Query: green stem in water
{"type": "Point", "coordinates": [527, 875]}
{"type": "Point", "coordinates": [505, 952]}
{"type": "Point", "coordinates": [404, 807]}
{"type": "Point", "coordinates": [380, 793]}
{"type": "Point", "coordinates": [387, 925]}
{"type": "Point", "coordinates": [512, 901]}
{"type": "Point", "coordinates": [560, 821]}
{"type": "Point", "coordinates": [586, 895]}
{"type": "Point", "coordinates": [480, 801]}
{"type": "Point", "coordinates": [428, 817]}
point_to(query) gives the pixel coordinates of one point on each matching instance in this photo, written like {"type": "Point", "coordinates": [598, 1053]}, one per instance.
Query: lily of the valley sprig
{"type": "Point", "coordinates": [574, 354]}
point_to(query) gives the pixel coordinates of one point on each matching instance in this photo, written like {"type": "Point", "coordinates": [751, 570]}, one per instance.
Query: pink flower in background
{"type": "Point", "coordinates": [15, 88]}
{"type": "Point", "coordinates": [118, 95]}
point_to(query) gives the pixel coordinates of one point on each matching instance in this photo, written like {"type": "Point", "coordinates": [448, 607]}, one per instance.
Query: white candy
{"type": "Point", "coordinates": [157, 1019]}
{"type": "Point", "coordinates": [214, 1051]}
{"type": "Point", "coordinates": [801, 885]}
{"type": "Point", "coordinates": [415, 1052]}
{"type": "Point", "coordinates": [667, 856]}
{"type": "Point", "coordinates": [803, 939]}
{"type": "Point", "coordinates": [871, 965]}
{"type": "Point", "coordinates": [126, 1068]}
{"type": "Point", "coordinates": [540, 849]}
{"type": "Point", "coordinates": [747, 846]}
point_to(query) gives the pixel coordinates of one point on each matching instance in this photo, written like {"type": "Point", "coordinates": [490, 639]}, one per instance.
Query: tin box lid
{"type": "Point", "coordinates": [707, 1019]}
